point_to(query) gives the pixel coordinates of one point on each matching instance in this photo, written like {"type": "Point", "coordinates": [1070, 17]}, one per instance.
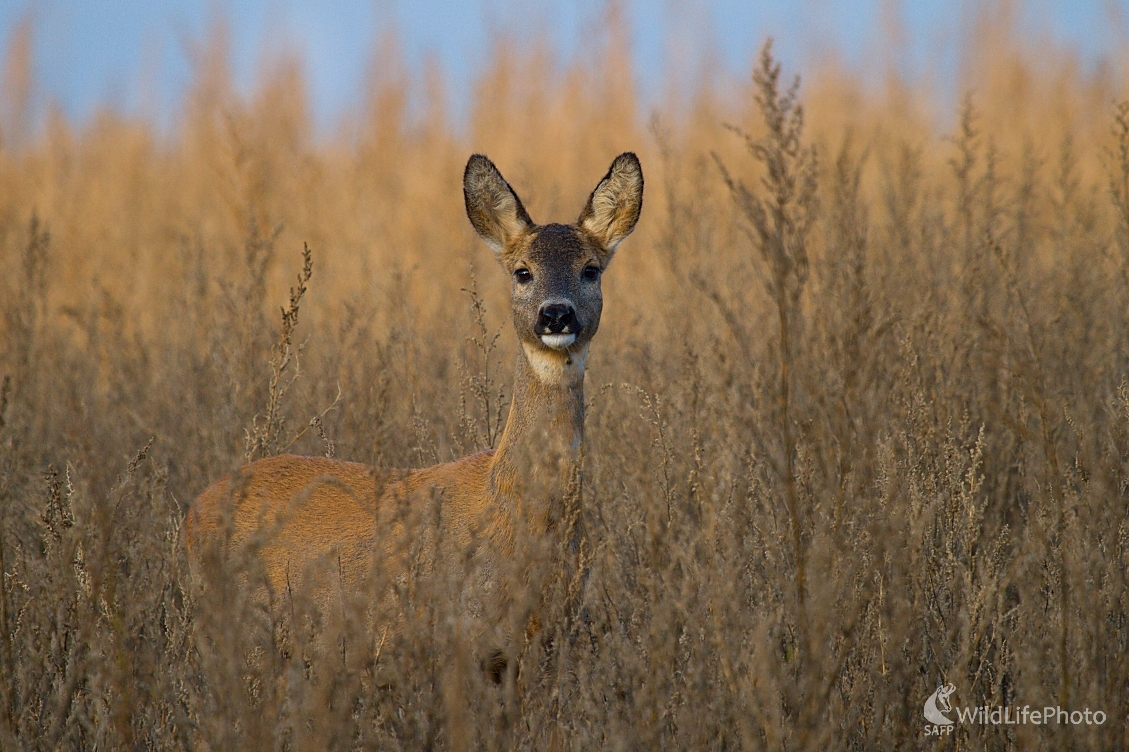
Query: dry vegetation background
{"type": "Point", "coordinates": [883, 443]}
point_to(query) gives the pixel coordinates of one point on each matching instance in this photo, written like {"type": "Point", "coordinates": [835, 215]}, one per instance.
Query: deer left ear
{"type": "Point", "coordinates": [613, 208]}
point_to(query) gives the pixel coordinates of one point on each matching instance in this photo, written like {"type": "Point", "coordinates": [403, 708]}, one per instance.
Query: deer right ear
{"type": "Point", "coordinates": [492, 206]}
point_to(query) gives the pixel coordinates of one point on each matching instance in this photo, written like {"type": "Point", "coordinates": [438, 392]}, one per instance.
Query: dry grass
{"type": "Point", "coordinates": [859, 412]}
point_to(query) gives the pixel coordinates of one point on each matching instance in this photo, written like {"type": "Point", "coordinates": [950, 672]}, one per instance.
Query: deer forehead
{"type": "Point", "coordinates": [555, 247]}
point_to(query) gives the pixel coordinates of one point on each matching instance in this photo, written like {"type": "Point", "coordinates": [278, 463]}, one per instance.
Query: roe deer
{"type": "Point", "coordinates": [303, 510]}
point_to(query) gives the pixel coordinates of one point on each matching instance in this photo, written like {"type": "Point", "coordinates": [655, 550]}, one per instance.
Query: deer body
{"type": "Point", "coordinates": [305, 510]}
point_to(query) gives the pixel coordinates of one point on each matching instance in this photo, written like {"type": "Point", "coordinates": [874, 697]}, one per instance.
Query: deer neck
{"type": "Point", "coordinates": [537, 455]}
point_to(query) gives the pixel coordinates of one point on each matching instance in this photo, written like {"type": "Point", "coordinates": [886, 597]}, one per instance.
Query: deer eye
{"type": "Point", "coordinates": [523, 276]}
{"type": "Point", "coordinates": [591, 273]}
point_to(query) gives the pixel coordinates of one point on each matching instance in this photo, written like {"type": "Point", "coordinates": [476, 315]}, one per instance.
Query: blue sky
{"type": "Point", "coordinates": [134, 54]}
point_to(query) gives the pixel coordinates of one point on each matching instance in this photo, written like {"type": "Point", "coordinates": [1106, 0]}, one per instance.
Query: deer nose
{"type": "Point", "coordinates": [555, 318]}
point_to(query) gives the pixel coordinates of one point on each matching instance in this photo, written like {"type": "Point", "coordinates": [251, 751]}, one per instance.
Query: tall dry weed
{"type": "Point", "coordinates": [855, 428]}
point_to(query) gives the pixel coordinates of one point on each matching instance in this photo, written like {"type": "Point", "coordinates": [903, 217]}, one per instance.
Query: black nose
{"type": "Point", "coordinates": [555, 318]}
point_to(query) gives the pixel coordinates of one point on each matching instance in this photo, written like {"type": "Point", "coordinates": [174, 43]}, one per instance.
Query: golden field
{"type": "Point", "coordinates": [858, 415]}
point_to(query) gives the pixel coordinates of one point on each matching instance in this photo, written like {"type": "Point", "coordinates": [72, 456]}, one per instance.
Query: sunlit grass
{"type": "Point", "coordinates": [842, 444]}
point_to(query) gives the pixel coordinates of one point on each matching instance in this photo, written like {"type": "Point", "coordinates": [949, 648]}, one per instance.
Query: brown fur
{"type": "Point", "coordinates": [302, 511]}
{"type": "Point", "coordinates": [312, 507]}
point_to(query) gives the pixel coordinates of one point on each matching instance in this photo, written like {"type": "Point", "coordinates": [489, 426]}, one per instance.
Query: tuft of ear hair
{"type": "Point", "coordinates": [613, 208]}
{"type": "Point", "coordinates": [493, 208]}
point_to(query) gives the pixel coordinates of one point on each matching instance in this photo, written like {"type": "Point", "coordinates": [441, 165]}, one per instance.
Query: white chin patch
{"type": "Point", "coordinates": [558, 341]}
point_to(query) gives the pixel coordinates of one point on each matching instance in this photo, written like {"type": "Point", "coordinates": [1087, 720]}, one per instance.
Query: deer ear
{"type": "Point", "coordinates": [613, 208]}
{"type": "Point", "coordinates": [491, 205]}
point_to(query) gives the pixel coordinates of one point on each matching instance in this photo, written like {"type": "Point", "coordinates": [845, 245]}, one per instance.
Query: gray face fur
{"type": "Point", "coordinates": [555, 269]}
